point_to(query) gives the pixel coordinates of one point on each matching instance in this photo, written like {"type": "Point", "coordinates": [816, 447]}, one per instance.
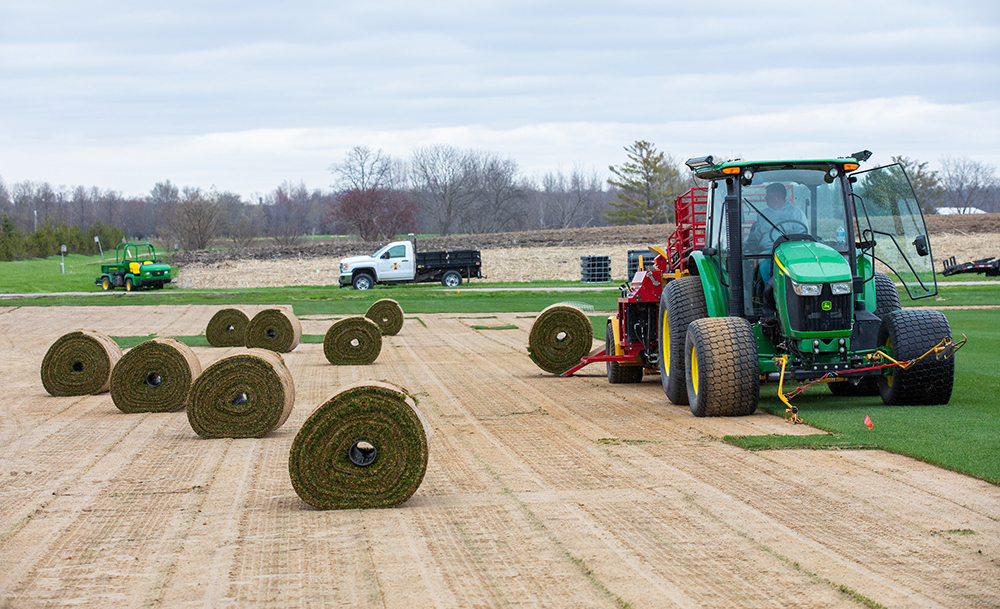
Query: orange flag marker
{"type": "Point", "coordinates": [869, 423]}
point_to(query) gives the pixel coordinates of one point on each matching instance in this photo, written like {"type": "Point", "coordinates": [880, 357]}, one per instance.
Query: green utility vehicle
{"type": "Point", "coordinates": [781, 285]}
{"type": "Point", "coordinates": [135, 267]}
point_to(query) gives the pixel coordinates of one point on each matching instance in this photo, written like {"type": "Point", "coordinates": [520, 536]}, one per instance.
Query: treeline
{"type": "Point", "coordinates": [439, 189]}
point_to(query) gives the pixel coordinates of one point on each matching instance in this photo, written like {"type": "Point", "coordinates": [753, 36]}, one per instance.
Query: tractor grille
{"type": "Point", "coordinates": [807, 313]}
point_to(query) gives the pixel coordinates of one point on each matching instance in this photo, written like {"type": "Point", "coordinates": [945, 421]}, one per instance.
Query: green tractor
{"type": "Point", "coordinates": [780, 284]}
{"type": "Point", "coordinates": [135, 267]}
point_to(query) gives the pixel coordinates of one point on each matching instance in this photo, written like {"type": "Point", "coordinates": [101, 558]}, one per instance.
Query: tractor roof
{"type": "Point", "coordinates": [708, 168]}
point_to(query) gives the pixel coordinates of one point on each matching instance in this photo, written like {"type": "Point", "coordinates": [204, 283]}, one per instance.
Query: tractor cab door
{"type": "Point", "coordinates": [891, 228]}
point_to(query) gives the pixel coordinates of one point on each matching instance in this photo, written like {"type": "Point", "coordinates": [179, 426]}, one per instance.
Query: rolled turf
{"type": "Point", "coordinates": [388, 315]}
{"type": "Point", "coordinates": [365, 447]}
{"type": "Point", "coordinates": [244, 395]}
{"type": "Point", "coordinates": [80, 363]}
{"type": "Point", "coordinates": [560, 336]}
{"type": "Point", "coordinates": [227, 328]}
{"type": "Point", "coordinates": [276, 330]}
{"type": "Point", "coordinates": [354, 341]}
{"type": "Point", "coordinates": [154, 376]}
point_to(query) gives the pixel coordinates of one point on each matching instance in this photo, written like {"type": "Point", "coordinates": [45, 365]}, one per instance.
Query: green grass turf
{"type": "Point", "coordinates": [961, 435]}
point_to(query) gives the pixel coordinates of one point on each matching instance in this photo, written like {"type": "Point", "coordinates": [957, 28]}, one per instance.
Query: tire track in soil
{"type": "Point", "coordinates": [623, 568]}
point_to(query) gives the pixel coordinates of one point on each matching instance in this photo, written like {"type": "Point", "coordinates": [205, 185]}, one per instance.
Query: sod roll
{"type": "Point", "coordinates": [388, 315]}
{"type": "Point", "coordinates": [276, 330]}
{"type": "Point", "coordinates": [560, 336]}
{"type": "Point", "coordinates": [154, 376]}
{"type": "Point", "coordinates": [80, 363]}
{"type": "Point", "coordinates": [227, 328]}
{"type": "Point", "coordinates": [354, 341]}
{"type": "Point", "coordinates": [365, 447]}
{"type": "Point", "coordinates": [244, 395]}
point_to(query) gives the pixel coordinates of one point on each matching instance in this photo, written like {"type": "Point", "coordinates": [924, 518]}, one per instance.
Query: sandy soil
{"type": "Point", "coordinates": [540, 491]}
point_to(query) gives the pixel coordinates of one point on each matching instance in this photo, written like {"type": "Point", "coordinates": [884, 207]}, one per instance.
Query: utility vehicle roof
{"type": "Point", "coordinates": [707, 168]}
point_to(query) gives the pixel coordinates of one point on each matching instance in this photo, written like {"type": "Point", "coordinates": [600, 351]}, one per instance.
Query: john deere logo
{"type": "Point", "coordinates": [827, 305]}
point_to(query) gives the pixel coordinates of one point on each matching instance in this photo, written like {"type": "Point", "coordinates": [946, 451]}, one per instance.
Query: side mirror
{"type": "Point", "coordinates": [921, 244]}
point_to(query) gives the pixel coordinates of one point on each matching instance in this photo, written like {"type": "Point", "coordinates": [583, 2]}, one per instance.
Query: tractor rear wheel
{"type": "Point", "coordinates": [910, 334]}
{"type": "Point", "coordinates": [681, 302]}
{"type": "Point", "coordinates": [723, 376]}
{"type": "Point", "coordinates": [616, 372]}
{"type": "Point", "coordinates": [886, 297]}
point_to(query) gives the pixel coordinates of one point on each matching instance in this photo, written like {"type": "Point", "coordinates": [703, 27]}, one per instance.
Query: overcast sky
{"type": "Point", "coordinates": [245, 95]}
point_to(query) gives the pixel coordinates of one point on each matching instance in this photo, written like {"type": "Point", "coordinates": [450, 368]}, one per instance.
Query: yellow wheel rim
{"type": "Point", "coordinates": [694, 370]}
{"type": "Point", "coordinates": [105, 284]}
{"type": "Point", "coordinates": [665, 341]}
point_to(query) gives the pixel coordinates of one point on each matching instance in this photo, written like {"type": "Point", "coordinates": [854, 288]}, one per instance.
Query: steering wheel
{"type": "Point", "coordinates": [777, 231]}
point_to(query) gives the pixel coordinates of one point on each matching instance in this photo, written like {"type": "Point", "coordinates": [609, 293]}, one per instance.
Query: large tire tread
{"type": "Point", "coordinates": [886, 296]}
{"type": "Point", "coordinates": [683, 301]}
{"type": "Point", "coordinates": [928, 382]}
{"type": "Point", "coordinates": [728, 374]}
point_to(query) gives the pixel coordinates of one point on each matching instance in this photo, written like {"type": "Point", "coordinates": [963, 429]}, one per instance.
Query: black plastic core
{"type": "Point", "coordinates": [153, 379]}
{"type": "Point", "coordinates": [230, 329]}
{"type": "Point", "coordinates": [77, 366]}
{"type": "Point", "coordinates": [362, 453]}
{"type": "Point", "coordinates": [271, 332]}
{"type": "Point", "coordinates": [240, 399]}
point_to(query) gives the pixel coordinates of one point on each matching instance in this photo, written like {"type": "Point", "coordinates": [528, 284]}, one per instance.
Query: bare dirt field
{"type": "Point", "coordinates": [523, 256]}
{"type": "Point", "coordinates": [539, 492]}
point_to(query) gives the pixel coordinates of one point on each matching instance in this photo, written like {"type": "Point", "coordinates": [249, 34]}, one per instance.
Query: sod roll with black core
{"type": "Point", "coordinates": [354, 341]}
{"type": "Point", "coordinates": [227, 328]}
{"type": "Point", "coordinates": [365, 447]}
{"type": "Point", "coordinates": [154, 376]}
{"type": "Point", "coordinates": [560, 336]}
{"type": "Point", "coordinates": [80, 363]}
{"type": "Point", "coordinates": [244, 395]}
{"type": "Point", "coordinates": [388, 315]}
{"type": "Point", "coordinates": [276, 330]}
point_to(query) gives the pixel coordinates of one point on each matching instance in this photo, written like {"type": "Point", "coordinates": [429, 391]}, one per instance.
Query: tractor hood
{"type": "Point", "coordinates": [811, 262]}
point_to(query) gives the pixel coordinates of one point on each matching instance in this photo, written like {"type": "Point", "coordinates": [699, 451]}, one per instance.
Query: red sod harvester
{"type": "Point", "coordinates": [632, 338]}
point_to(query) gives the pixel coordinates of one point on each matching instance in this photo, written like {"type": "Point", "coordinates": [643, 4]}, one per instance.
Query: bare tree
{"type": "Point", "coordinates": [498, 202]}
{"type": "Point", "coordinates": [444, 183]}
{"type": "Point", "coordinates": [194, 219]}
{"type": "Point", "coordinates": [968, 184]}
{"type": "Point", "coordinates": [286, 210]}
{"type": "Point", "coordinates": [364, 169]}
{"type": "Point", "coordinates": [569, 202]}
{"type": "Point", "coordinates": [245, 225]}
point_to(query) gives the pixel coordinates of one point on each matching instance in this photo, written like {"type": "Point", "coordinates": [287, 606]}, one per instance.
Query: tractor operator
{"type": "Point", "coordinates": [765, 231]}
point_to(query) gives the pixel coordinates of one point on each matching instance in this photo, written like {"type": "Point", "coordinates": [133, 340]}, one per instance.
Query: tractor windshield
{"type": "Point", "coordinates": [801, 201]}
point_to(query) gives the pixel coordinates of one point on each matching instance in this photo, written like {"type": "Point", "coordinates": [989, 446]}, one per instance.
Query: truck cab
{"type": "Point", "coordinates": [393, 262]}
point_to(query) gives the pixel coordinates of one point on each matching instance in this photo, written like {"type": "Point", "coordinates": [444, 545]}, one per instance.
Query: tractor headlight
{"type": "Point", "coordinates": [843, 287]}
{"type": "Point", "coordinates": [807, 289]}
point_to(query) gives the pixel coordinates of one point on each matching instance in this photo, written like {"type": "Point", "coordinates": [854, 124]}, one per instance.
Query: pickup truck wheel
{"type": "Point", "coordinates": [451, 279]}
{"type": "Point", "coordinates": [128, 285]}
{"type": "Point", "coordinates": [363, 281]}
{"type": "Point", "coordinates": [106, 284]}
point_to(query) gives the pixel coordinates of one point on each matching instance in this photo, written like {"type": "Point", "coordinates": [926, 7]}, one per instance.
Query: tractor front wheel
{"type": "Point", "coordinates": [723, 376]}
{"type": "Point", "coordinates": [616, 372]}
{"type": "Point", "coordinates": [106, 284]}
{"type": "Point", "coordinates": [128, 285]}
{"type": "Point", "coordinates": [681, 302]}
{"type": "Point", "coordinates": [910, 334]}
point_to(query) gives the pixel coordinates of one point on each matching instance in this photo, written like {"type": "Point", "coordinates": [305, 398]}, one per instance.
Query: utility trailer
{"type": "Point", "coordinates": [771, 276]}
{"type": "Point", "coordinates": [988, 266]}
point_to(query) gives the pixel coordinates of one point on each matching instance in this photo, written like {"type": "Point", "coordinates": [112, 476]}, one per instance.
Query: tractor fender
{"type": "Point", "coordinates": [716, 300]}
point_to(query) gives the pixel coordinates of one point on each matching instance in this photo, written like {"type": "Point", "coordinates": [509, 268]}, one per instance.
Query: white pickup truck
{"type": "Point", "coordinates": [398, 262]}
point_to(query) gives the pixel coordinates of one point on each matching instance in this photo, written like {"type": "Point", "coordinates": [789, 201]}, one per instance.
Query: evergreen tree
{"type": "Point", "coordinates": [646, 183]}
